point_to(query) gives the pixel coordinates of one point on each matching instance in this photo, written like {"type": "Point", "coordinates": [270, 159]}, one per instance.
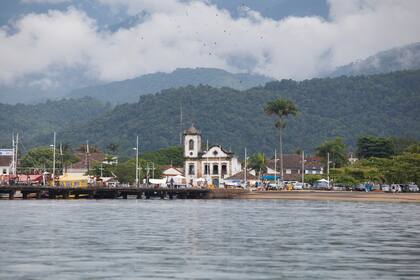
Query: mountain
{"type": "Point", "coordinates": [397, 59]}
{"type": "Point", "coordinates": [45, 118]}
{"type": "Point", "coordinates": [130, 90]}
{"type": "Point", "coordinates": [384, 105]}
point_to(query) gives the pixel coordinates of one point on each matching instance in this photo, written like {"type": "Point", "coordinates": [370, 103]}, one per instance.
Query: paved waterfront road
{"type": "Point", "coordinates": [208, 239]}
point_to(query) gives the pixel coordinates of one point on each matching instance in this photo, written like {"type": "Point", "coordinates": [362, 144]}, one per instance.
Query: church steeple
{"type": "Point", "coordinates": [192, 142]}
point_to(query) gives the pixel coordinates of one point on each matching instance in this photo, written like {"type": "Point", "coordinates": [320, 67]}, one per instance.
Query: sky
{"type": "Point", "coordinates": [51, 44]}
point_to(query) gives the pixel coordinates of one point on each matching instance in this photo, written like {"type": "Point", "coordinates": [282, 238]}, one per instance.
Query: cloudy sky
{"type": "Point", "coordinates": [46, 42]}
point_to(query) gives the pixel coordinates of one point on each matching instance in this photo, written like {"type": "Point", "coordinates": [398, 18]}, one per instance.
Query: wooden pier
{"type": "Point", "coordinates": [41, 192]}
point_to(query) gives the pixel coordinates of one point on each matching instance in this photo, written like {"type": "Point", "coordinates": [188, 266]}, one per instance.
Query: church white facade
{"type": "Point", "coordinates": [212, 165]}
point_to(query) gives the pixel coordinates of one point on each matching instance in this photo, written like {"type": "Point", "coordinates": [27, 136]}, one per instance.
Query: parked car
{"type": "Point", "coordinates": [360, 187]}
{"type": "Point", "coordinates": [341, 187]}
{"type": "Point", "coordinates": [409, 188]}
{"type": "Point", "coordinates": [298, 186]}
{"type": "Point", "coordinates": [395, 188]}
{"type": "Point", "coordinates": [386, 188]}
{"type": "Point", "coordinates": [274, 186]}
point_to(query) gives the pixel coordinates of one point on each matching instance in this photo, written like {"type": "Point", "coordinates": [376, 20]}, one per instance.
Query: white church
{"type": "Point", "coordinates": [211, 166]}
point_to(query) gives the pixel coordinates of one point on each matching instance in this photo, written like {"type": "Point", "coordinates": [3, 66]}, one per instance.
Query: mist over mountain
{"type": "Point", "coordinates": [402, 58]}
{"type": "Point", "coordinates": [51, 47]}
{"type": "Point", "coordinates": [128, 91]}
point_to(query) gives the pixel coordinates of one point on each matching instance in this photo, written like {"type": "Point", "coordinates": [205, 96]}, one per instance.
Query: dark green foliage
{"type": "Point", "coordinates": [36, 123]}
{"type": "Point", "coordinates": [42, 158]}
{"type": "Point", "coordinates": [166, 156]}
{"type": "Point", "coordinates": [337, 150]}
{"type": "Point", "coordinates": [371, 146]}
{"type": "Point", "coordinates": [258, 162]}
{"type": "Point", "coordinates": [382, 105]}
{"type": "Point", "coordinates": [130, 90]}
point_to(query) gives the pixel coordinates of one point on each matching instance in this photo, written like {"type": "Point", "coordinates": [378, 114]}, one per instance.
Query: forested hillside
{"type": "Point", "coordinates": [396, 59]}
{"type": "Point", "coordinates": [43, 118]}
{"type": "Point", "coordinates": [386, 105]}
{"type": "Point", "coordinates": [128, 91]}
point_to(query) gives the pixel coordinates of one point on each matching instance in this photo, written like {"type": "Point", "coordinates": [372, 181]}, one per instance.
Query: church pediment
{"type": "Point", "coordinates": [216, 152]}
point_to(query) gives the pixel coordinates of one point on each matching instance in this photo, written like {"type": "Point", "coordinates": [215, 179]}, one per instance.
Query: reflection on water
{"type": "Point", "coordinates": [208, 239]}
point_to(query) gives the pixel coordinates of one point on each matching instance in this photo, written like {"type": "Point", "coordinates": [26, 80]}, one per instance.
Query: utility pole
{"type": "Point", "coordinates": [137, 161]}
{"type": "Point", "coordinates": [328, 169]}
{"type": "Point", "coordinates": [180, 124]}
{"type": "Point", "coordinates": [245, 169]}
{"type": "Point", "coordinates": [281, 156]}
{"type": "Point", "coordinates": [275, 166]}
{"type": "Point", "coordinates": [303, 167]}
{"type": "Point", "coordinates": [87, 157]}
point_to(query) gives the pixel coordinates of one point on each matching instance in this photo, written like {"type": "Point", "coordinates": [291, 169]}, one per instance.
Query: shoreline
{"type": "Point", "coordinates": [333, 196]}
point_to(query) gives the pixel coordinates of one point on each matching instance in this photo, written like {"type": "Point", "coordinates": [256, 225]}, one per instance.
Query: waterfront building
{"type": "Point", "coordinates": [292, 167]}
{"type": "Point", "coordinates": [6, 161]}
{"type": "Point", "coordinates": [73, 180]}
{"type": "Point", "coordinates": [212, 164]}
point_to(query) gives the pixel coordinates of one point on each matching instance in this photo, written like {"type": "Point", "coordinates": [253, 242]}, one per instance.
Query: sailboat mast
{"type": "Point", "coordinates": [13, 155]}
{"type": "Point", "coordinates": [53, 173]}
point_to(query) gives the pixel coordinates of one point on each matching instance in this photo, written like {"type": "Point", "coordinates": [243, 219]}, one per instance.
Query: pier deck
{"type": "Point", "coordinates": [40, 192]}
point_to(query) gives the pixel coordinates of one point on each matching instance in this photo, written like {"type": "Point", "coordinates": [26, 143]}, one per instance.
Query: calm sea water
{"type": "Point", "coordinates": [208, 239]}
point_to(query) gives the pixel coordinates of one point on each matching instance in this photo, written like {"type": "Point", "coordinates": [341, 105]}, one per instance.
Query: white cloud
{"type": "Point", "coordinates": [196, 34]}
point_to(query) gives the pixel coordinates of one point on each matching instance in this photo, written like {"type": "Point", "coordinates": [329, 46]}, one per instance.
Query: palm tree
{"type": "Point", "coordinates": [281, 108]}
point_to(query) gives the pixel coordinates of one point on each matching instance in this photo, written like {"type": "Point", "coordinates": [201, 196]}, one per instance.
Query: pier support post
{"type": "Point", "coordinates": [125, 195]}
{"type": "Point", "coordinates": [139, 195]}
{"type": "Point", "coordinates": [24, 195]}
{"type": "Point", "coordinates": [39, 194]}
{"type": "Point", "coordinates": [171, 196]}
{"type": "Point", "coordinates": [12, 195]}
{"type": "Point", "coordinates": [66, 194]}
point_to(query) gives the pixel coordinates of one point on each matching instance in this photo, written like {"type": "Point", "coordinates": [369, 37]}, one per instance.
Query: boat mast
{"type": "Point", "coordinates": [13, 154]}
{"type": "Point", "coordinates": [53, 171]}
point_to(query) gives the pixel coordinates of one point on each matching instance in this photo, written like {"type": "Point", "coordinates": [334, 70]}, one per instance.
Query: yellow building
{"type": "Point", "coordinates": [73, 180]}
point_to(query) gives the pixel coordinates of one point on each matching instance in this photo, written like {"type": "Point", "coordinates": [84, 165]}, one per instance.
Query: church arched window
{"type": "Point", "coordinates": [191, 145]}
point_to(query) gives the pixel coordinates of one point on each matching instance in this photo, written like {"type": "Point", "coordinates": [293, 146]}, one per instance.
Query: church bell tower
{"type": "Point", "coordinates": [192, 142]}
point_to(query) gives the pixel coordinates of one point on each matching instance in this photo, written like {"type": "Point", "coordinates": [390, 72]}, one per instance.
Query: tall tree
{"type": "Point", "coordinates": [337, 150]}
{"type": "Point", "coordinates": [371, 146]}
{"type": "Point", "coordinates": [281, 108]}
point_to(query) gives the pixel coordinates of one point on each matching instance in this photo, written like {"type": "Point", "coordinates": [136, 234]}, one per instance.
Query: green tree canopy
{"type": "Point", "coordinates": [258, 163]}
{"type": "Point", "coordinates": [372, 146]}
{"type": "Point", "coordinates": [337, 150]}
